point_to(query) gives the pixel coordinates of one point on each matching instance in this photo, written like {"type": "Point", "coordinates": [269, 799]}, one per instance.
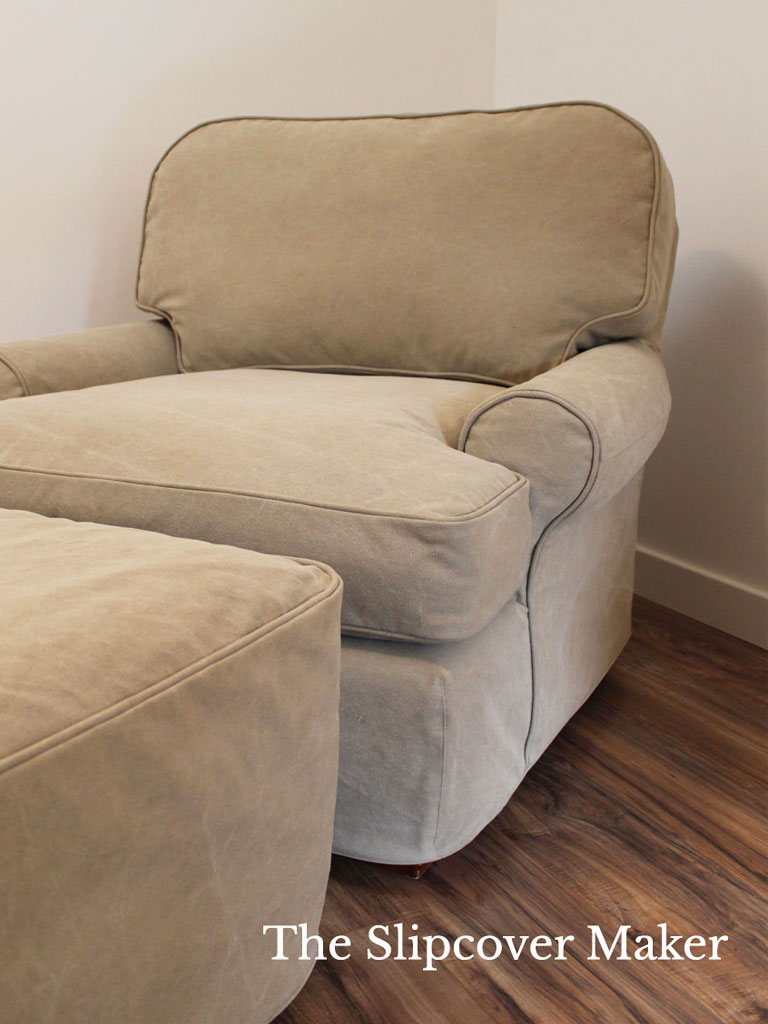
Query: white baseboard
{"type": "Point", "coordinates": [720, 602]}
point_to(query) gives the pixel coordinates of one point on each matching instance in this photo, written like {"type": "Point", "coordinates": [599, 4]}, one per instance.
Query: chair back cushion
{"type": "Point", "coordinates": [483, 245]}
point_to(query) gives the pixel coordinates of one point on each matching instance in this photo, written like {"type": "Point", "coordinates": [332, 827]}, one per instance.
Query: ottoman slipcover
{"type": "Point", "coordinates": [168, 759]}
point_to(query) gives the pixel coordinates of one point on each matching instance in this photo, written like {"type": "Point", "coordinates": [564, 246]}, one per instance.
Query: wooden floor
{"type": "Point", "coordinates": [650, 807]}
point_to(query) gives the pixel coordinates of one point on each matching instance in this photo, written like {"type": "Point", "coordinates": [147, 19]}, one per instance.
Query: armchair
{"type": "Point", "coordinates": [424, 351]}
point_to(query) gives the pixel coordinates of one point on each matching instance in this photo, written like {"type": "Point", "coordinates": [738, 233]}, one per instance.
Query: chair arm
{"type": "Point", "coordinates": [579, 431]}
{"type": "Point", "coordinates": [101, 355]}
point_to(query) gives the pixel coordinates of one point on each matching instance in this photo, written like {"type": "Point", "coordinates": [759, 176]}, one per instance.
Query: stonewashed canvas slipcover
{"type": "Point", "coordinates": [424, 350]}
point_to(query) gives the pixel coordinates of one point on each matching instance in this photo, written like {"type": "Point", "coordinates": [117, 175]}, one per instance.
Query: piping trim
{"type": "Point", "coordinates": [28, 753]}
{"type": "Point", "coordinates": [573, 339]}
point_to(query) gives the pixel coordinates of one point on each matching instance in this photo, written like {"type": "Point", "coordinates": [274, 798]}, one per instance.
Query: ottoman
{"type": "Point", "coordinates": [168, 759]}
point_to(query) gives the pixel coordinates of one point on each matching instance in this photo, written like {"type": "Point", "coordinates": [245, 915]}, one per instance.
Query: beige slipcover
{"type": "Point", "coordinates": [481, 296]}
{"type": "Point", "coordinates": [360, 472]}
{"type": "Point", "coordinates": [489, 244]}
{"type": "Point", "coordinates": [168, 756]}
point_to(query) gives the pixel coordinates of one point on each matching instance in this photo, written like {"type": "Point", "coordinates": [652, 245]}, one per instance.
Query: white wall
{"type": "Point", "coordinates": [695, 75]}
{"type": "Point", "coordinates": [95, 90]}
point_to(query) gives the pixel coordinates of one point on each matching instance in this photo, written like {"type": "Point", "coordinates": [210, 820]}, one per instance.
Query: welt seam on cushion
{"type": "Point", "coordinates": [147, 201]}
{"type": "Point", "coordinates": [17, 373]}
{"type": "Point", "coordinates": [554, 104]}
{"type": "Point", "coordinates": [488, 506]}
{"type": "Point", "coordinates": [639, 128]}
{"type": "Point", "coordinates": [127, 704]}
{"type": "Point", "coordinates": [163, 314]}
{"type": "Point", "coordinates": [649, 252]}
{"type": "Point", "coordinates": [355, 369]}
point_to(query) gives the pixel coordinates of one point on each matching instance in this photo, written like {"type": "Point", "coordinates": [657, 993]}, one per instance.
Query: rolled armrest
{"type": "Point", "coordinates": [101, 355]}
{"type": "Point", "coordinates": [579, 431]}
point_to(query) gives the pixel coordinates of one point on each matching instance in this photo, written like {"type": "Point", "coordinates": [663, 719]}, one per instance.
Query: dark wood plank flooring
{"type": "Point", "coordinates": [649, 807]}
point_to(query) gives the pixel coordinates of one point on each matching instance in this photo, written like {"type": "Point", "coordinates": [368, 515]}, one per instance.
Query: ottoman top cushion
{"type": "Point", "coordinates": [97, 619]}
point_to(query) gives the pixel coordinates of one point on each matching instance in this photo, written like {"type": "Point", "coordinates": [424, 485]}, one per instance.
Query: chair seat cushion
{"type": "Point", "coordinates": [360, 472]}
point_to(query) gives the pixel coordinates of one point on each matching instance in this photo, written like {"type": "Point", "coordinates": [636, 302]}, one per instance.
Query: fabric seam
{"type": "Point", "coordinates": [444, 719]}
{"type": "Point", "coordinates": [580, 499]}
{"type": "Point", "coordinates": [371, 633]}
{"type": "Point", "coordinates": [476, 513]}
{"type": "Point", "coordinates": [645, 295]}
{"type": "Point", "coordinates": [127, 704]}
{"type": "Point", "coordinates": [20, 378]}
{"type": "Point", "coordinates": [609, 662]}
{"type": "Point", "coordinates": [354, 369]}
{"type": "Point", "coordinates": [476, 415]}
{"type": "Point", "coordinates": [568, 348]}
{"type": "Point", "coordinates": [598, 459]}
{"type": "Point", "coordinates": [547, 396]}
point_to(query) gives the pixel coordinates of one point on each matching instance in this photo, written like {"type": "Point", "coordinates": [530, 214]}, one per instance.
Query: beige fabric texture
{"type": "Point", "coordinates": [580, 607]}
{"type": "Point", "coordinates": [581, 430]}
{"type": "Point", "coordinates": [82, 359]}
{"type": "Point", "coordinates": [420, 262]}
{"type": "Point", "coordinates": [436, 739]}
{"type": "Point", "coordinates": [358, 472]}
{"type": "Point", "coordinates": [10, 382]}
{"type": "Point", "coordinates": [168, 758]}
{"type": "Point", "coordinates": [487, 245]}
{"type": "Point", "coordinates": [433, 740]}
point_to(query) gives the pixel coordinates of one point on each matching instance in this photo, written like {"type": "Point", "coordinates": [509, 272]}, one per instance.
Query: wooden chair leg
{"type": "Point", "coordinates": [409, 870]}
